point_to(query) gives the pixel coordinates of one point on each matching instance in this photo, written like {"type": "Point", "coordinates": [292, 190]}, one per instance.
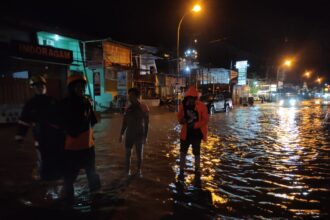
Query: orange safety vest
{"type": "Point", "coordinates": [84, 140]}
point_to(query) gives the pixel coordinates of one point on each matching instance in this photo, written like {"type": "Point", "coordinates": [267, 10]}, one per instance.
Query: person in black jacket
{"type": "Point", "coordinates": [39, 113]}
{"type": "Point", "coordinates": [78, 119]}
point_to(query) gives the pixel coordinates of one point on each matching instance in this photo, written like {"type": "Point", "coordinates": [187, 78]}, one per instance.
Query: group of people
{"type": "Point", "coordinates": [63, 132]}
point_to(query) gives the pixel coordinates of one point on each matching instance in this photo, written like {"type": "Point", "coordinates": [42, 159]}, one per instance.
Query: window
{"type": "Point", "coordinates": [46, 42]}
{"type": "Point", "coordinates": [21, 75]}
{"type": "Point", "coordinates": [50, 42]}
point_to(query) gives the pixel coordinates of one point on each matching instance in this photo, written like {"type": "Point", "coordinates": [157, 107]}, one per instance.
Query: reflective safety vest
{"type": "Point", "coordinates": [84, 140]}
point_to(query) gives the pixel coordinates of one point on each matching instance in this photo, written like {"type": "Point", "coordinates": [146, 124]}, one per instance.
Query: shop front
{"type": "Point", "coordinates": [24, 60]}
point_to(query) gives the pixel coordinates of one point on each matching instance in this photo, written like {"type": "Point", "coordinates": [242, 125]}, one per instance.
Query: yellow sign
{"type": "Point", "coordinates": [116, 54]}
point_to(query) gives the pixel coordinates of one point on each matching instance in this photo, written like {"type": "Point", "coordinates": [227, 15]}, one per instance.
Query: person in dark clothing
{"type": "Point", "coordinates": [39, 113]}
{"type": "Point", "coordinates": [193, 116]}
{"type": "Point", "coordinates": [135, 127]}
{"type": "Point", "coordinates": [77, 119]}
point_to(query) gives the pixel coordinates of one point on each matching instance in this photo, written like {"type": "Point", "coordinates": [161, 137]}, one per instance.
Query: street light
{"type": "Point", "coordinates": [287, 63]}
{"type": "Point", "coordinates": [307, 74]}
{"type": "Point", "coordinates": [197, 8]}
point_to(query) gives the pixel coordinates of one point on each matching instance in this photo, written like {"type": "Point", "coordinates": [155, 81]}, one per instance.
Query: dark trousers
{"type": "Point", "coordinates": [194, 142]}
{"type": "Point", "coordinates": [196, 148]}
{"type": "Point", "coordinates": [138, 142]}
{"type": "Point", "coordinates": [76, 160]}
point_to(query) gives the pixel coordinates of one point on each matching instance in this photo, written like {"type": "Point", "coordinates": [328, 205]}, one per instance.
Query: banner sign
{"type": "Point", "coordinates": [45, 53]}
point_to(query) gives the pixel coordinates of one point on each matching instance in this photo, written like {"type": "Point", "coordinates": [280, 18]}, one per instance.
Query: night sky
{"type": "Point", "coordinates": [264, 32]}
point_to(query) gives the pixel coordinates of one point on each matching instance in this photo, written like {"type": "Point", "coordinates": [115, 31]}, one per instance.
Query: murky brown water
{"type": "Point", "coordinates": [260, 162]}
{"type": "Point", "coordinates": [265, 162]}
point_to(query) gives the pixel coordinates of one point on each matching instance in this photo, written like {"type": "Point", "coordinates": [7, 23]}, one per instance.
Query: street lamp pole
{"type": "Point", "coordinates": [196, 8]}
{"type": "Point", "coordinates": [287, 63]}
{"type": "Point", "coordinates": [178, 45]}
{"type": "Point", "coordinates": [178, 58]}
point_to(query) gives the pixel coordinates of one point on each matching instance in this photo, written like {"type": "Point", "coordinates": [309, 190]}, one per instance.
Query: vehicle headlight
{"type": "Point", "coordinates": [292, 101]}
{"type": "Point", "coordinates": [281, 102]}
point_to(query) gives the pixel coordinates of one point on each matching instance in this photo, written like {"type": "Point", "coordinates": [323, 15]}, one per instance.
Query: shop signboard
{"type": "Point", "coordinates": [122, 83]}
{"type": "Point", "coordinates": [115, 54]}
{"type": "Point", "coordinates": [38, 52]}
{"type": "Point", "coordinates": [242, 66]}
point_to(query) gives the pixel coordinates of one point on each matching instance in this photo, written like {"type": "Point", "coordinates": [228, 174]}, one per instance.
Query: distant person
{"type": "Point", "coordinates": [39, 113]}
{"type": "Point", "coordinates": [193, 116]}
{"type": "Point", "coordinates": [78, 119]}
{"type": "Point", "coordinates": [135, 127]}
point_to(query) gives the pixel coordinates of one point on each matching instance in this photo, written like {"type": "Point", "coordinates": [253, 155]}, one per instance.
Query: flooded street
{"type": "Point", "coordinates": [260, 162]}
{"type": "Point", "coordinates": [267, 162]}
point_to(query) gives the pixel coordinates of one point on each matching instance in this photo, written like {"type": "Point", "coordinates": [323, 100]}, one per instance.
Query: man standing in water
{"type": "Point", "coordinates": [39, 113]}
{"type": "Point", "coordinates": [78, 119]}
{"type": "Point", "coordinates": [193, 117]}
{"type": "Point", "coordinates": [135, 126]}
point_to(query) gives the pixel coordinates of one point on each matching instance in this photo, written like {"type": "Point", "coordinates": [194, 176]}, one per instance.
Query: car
{"type": "Point", "coordinates": [217, 102]}
{"type": "Point", "coordinates": [288, 101]}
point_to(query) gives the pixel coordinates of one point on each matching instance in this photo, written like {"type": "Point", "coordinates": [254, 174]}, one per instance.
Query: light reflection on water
{"type": "Point", "coordinates": [265, 162]}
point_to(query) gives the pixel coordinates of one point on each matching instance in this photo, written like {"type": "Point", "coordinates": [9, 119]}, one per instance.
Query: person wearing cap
{"type": "Point", "coordinates": [39, 113]}
{"type": "Point", "coordinates": [77, 120]}
{"type": "Point", "coordinates": [135, 127]}
{"type": "Point", "coordinates": [193, 117]}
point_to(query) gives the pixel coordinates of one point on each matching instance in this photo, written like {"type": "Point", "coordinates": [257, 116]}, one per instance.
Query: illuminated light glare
{"type": "Point", "coordinates": [317, 102]}
{"type": "Point", "coordinates": [187, 69]}
{"type": "Point", "coordinates": [288, 62]}
{"type": "Point", "coordinates": [281, 102]}
{"type": "Point", "coordinates": [218, 199]}
{"type": "Point", "coordinates": [292, 102]}
{"type": "Point", "coordinates": [306, 212]}
{"type": "Point", "coordinates": [197, 8]}
{"type": "Point", "coordinates": [56, 37]}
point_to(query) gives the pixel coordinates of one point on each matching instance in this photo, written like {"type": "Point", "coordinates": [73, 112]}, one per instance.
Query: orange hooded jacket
{"type": "Point", "coordinates": [203, 116]}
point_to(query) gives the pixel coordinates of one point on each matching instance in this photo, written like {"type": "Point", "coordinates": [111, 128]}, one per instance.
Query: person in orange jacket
{"type": "Point", "coordinates": [193, 116]}
{"type": "Point", "coordinates": [77, 120]}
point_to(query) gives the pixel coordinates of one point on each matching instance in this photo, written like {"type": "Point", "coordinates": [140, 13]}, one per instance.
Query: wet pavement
{"type": "Point", "coordinates": [260, 162]}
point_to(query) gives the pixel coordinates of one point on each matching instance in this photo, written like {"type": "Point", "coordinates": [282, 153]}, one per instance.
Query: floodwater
{"type": "Point", "coordinates": [259, 162]}
{"type": "Point", "coordinates": [265, 162]}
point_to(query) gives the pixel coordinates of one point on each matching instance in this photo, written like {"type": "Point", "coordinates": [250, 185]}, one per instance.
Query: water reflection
{"type": "Point", "coordinates": [265, 162]}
